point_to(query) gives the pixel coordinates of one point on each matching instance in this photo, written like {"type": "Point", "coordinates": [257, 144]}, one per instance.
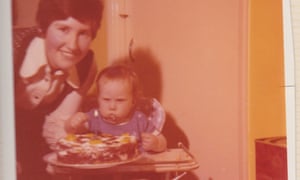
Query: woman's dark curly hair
{"type": "Point", "coordinates": [83, 10]}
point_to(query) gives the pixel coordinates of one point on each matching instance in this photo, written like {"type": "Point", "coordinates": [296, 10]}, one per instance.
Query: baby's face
{"type": "Point", "coordinates": [115, 100]}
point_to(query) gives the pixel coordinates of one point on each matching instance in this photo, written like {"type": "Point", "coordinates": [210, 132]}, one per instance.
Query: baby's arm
{"type": "Point", "coordinates": [156, 143]}
{"type": "Point", "coordinates": [77, 123]}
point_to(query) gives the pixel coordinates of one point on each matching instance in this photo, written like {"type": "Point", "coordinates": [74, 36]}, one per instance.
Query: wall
{"type": "Point", "coordinates": [266, 74]}
{"type": "Point", "coordinates": [196, 54]}
{"type": "Point", "coordinates": [24, 12]}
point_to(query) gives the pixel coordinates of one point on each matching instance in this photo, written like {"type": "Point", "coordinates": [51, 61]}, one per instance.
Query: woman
{"type": "Point", "coordinates": [53, 69]}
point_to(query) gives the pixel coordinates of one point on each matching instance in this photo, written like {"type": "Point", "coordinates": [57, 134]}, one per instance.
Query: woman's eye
{"type": "Point", "coordinates": [63, 29]}
{"type": "Point", "coordinates": [85, 33]}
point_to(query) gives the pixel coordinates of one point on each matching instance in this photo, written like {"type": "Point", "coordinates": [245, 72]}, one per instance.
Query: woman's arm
{"type": "Point", "coordinates": [54, 126]}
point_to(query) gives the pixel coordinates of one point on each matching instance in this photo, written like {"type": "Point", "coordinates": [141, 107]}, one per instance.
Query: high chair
{"type": "Point", "coordinates": [157, 115]}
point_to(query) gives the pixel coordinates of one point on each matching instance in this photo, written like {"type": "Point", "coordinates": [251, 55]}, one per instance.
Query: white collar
{"type": "Point", "coordinates": [35, 58]}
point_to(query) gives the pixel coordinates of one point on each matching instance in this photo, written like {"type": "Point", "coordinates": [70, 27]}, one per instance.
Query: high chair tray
{"type": "Point", "coordinates": [176, 159]}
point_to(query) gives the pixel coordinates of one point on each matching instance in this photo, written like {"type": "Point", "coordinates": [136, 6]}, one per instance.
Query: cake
{"type": "Point", "coordinates": [95, 149]}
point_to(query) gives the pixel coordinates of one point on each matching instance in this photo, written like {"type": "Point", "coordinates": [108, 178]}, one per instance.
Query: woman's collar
{"type": "Point", "coordinates": [35, 58]}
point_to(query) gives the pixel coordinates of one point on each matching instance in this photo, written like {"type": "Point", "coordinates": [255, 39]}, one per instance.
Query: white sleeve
{"type": "Point", "coordinates": [158, 116]}
{"type": "Point", "coordinates": [53, 127]}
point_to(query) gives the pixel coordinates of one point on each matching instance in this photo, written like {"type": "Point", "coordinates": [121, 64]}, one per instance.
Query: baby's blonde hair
{"type": "Point", "coordinates": [121, 72]}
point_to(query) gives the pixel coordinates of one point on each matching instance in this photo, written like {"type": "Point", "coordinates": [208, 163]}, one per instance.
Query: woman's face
{"type": "Point", "coordinates": [67, 42]}
{"type": "Point", "coordinates": [115, 100]}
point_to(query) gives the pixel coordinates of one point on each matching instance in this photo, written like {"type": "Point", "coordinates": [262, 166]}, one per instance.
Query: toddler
{"type": "Point", "coordinates": [118, 93]}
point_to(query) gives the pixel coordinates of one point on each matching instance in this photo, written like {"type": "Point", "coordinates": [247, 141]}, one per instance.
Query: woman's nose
{"type": "Point", "coordinates": [72, 42]}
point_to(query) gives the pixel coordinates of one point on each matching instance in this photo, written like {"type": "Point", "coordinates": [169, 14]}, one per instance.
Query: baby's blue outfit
{"type": "Point", "coordinates": [138, 124]}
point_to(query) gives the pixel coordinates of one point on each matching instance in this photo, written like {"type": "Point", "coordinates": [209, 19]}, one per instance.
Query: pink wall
{"type": "Point", "coordinates": [25, 11]}
{"type": "Point", "coordinates": [198, 50]}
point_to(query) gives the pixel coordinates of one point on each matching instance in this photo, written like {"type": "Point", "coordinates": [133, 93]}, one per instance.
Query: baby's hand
{"type": "Point", "coordinates": [76, 123]}
{"type": "Point", "coordinates": [149, 141]}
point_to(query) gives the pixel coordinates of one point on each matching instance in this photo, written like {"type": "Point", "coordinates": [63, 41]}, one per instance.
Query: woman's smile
{"type": "Point", "coordinates": [69, 54]}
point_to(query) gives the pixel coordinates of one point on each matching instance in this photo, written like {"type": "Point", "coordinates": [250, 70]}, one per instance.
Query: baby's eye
{"type": "Point", "coordinates": [121, 100]}
{"type": "Point", "coordinates": [106, 99]}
